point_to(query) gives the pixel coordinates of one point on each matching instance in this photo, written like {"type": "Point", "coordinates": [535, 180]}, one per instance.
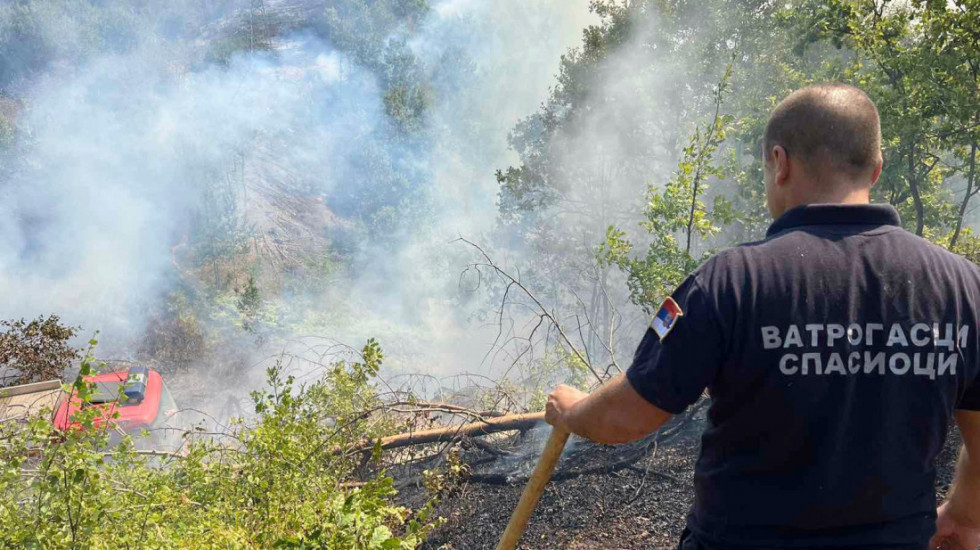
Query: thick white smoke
{"type": "Point", "coordinates": [115, 149]}
{"type": "Point", "coordinates": [119, 148]}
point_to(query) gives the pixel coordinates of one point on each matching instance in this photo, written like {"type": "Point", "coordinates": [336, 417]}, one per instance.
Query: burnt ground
{"type": "Point", "coordinates": [601, 497]}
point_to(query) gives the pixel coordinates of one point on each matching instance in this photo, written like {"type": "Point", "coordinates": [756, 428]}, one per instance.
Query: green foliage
{"type": "Point", "coordinates": [276, 484]}
{"type": "Point", "coordinates": [35, 351]}
{"type": "Point", "coordinates": [568, 368]}
{"type": "Point", "coordinates": [248, 304]}
{"type": "Point", "coordinates": [968, 245]}
{"type": "Point", "coordinates": [407, 104]}
{"type": "Point", "coordinates": [35, 33]}
{"type": "Point", "coordinates": [373, 33]}
{"type": "Point", "coordinates": [677, 209]}
{"type": "Point", "coordinates": [362, 28]}
{"type": "Point", "coordinates": [23, 46]}
{"type": "Point", "coordinates": [557, 366]}
{"type": "Point", "coordinates": [919, 61]}
{"type": "Point", "coordinates": [220, 229]}
{"type": "Point", "coordinates": [254, 31]}
{"type": "Point", "coordinates": [175, 337]}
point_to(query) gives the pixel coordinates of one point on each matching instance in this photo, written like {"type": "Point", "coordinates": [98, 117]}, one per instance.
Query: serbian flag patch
{"type": "Point", "coordinates": [665, 319]}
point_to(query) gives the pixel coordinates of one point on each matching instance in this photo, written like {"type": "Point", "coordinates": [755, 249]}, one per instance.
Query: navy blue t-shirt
{"type": "Point", "coordinates": [835, 352]}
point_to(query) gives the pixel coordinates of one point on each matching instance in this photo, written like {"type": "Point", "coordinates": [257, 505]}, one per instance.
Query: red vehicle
{"type": "Point", "coordinates": [138, 395]}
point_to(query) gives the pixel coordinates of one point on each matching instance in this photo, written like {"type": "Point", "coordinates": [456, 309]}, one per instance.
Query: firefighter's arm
{"type": "Point", "coordinates": [958, 524]}
{"type": "Point", "coordinates": [964, 497]}
{"type": "Point", "coordinates": [615, 413]}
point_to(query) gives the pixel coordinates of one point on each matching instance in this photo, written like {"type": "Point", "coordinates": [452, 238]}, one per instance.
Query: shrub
{"type": "Point", "coordinates": [34, 351]}
{"type": "Point", "coordinates": [280, 483]}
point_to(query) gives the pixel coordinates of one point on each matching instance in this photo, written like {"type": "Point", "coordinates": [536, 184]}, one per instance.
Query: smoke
{"type": "Point", "coordinates": [135, 159]}
{"type": "Point", "coordinates": [511, 52]}
{"type": "Point", "coordinates": [624, 113]}
{"type": "Point", "coordinates": [118, 152]}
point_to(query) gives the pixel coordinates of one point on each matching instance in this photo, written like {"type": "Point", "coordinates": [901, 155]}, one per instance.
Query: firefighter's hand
{"type": "Point", "coordinates": [559, 403]}
{"type": "Point", "coordinates": [953, 535]}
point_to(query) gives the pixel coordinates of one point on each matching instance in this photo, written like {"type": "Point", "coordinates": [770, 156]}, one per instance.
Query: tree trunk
{"type": "Point", "coordinates": [694, 202]}
{"type": "Point", "coordinates": [914, 189]}
{"type": "Point", "coordinates": [966, 197]}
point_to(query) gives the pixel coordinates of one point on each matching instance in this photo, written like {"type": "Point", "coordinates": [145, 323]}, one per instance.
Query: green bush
{"type": "Point", "coordinates": [34, 351]}
{"type": "Point", "coordinates": [281, 483]}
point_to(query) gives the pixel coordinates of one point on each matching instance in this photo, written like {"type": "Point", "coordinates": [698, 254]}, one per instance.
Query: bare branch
{"type": "Point", "coordinates": [542, 309]}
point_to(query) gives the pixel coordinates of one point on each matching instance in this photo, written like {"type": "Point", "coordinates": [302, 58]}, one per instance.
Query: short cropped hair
{"type": "Point", "coordinates": [827, 126]}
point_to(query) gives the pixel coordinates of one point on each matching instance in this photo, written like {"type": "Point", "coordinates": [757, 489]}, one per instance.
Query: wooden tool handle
{"type": "Point", "coordinates": [533, 489]}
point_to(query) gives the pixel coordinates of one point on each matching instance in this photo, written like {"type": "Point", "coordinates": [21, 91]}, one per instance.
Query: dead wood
{"type": "Point", "coordinates": [508, 422]}
{"type": "Point", "coordinates": [626, 461]}
{"type": "Point", "coordinates": [449, 408]}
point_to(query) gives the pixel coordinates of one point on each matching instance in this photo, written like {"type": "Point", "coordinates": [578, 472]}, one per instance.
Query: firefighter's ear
{"type": "Point", "coordinates": [780, 166]}
{"type": "Point", "coordinates": [877, 171]}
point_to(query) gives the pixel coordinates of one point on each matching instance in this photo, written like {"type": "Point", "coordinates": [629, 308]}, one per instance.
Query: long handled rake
{"type": "Point", "coordinates": [532, 491]}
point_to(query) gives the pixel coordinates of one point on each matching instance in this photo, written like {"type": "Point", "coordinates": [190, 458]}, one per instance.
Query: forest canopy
{"type": "Point", "coordinates": [730, 63]}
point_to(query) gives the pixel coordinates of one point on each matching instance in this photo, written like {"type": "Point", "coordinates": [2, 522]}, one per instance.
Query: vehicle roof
{"type": "Point", "coordinates": [135, 415]}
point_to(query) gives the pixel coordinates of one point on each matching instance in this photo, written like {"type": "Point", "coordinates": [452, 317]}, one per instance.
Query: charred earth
{"type": "Point", "coordinates": [601, 497]}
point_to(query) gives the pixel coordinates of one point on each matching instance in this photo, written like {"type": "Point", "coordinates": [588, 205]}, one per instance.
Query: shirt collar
{"type": "Point", "coordinates": [836, 214]}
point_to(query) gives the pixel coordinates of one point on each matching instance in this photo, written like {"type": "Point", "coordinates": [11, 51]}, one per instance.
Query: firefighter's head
{"type": "Point", "coordinates": [821, 144]}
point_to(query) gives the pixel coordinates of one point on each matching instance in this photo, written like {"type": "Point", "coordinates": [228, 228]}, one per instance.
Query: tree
{"type": "Point", "coordinates": [35, 351]}
{"type": "Point", "coordinates": [632, 102]}
{"type": "Point", "coordinates": [221, 230]}
{"type": "Point", "coordinates": [951, 35]}
{"type": "Point", "coordinates": [677, 209]}
{"type": "Point", "coordinates": [625, 104]}
{"type": "Point", "coordinates": [918, 61]}
{"type": "Point", "coordinates": [248, 304]}
{"type": "Point", "coordinates": [907, 103]}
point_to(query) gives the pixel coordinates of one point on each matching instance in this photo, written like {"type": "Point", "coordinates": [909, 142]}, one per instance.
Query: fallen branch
{"type": "Point", "coordinates": [626, 461]}
{"type": "Point", "coordinates": [504, 423]}
{"type": "Point", "coordinates": [429, 406]}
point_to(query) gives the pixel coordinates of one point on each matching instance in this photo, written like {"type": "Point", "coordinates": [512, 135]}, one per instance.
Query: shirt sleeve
{"type": "Point", "coordinates": [672, 372]}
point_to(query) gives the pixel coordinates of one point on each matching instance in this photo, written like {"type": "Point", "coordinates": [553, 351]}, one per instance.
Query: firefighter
{"type": "Point", "coordinates": [837, 352]}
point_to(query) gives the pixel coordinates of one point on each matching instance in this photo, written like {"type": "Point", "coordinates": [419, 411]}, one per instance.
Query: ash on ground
{"type": "Point", "coordinates": [601, 497]}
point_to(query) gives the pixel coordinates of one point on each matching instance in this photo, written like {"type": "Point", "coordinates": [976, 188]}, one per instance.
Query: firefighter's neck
{"type": "Point", "coordinates": [842, 192]}
{"type": "Point", "coordinates": [792, 182]}
{"type": "Point", "coordinates": [800, 186]}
